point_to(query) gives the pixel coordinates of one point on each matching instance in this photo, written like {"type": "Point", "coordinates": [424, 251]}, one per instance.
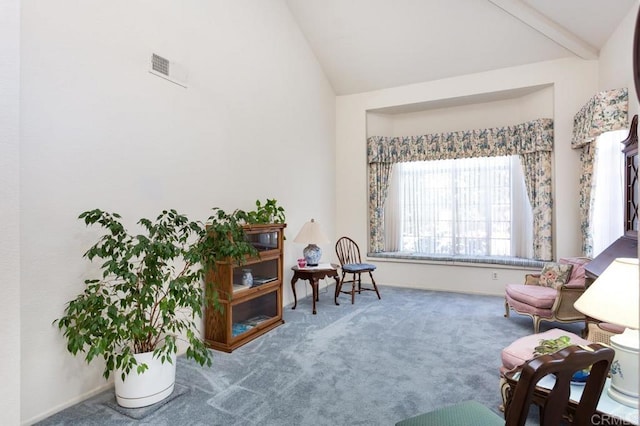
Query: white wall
{"type": "Point", "coordinates": [615, 66]}
{"type": "Point", "coordinates": [98, 130]}
{"type": "Point", "coordinates": [480, 115]}
{"type": "Point", "coordinates": [379, 124]}
{"type": "Point", "coordinates": [537, 104]}
{"type": "Point", "coordinates": [9, 212]}
{"type": "Point", "coordinates": [573, 82]}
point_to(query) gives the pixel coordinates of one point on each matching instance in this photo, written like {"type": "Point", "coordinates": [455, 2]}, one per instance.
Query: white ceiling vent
{"type": "Point", "coordinates": [171, 71]}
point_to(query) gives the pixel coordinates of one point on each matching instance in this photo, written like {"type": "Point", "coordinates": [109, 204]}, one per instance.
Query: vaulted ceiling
{"type": "Point", "coordinates": [365, 45]}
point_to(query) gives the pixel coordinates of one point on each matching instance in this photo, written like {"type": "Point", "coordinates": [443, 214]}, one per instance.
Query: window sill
{"type": "Point", "coordinates": [492, 261]}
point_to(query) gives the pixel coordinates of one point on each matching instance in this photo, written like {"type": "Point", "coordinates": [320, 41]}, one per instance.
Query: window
{"type": "Point", "coordinates": [462, 207]}
{"type": "Point", "coordinates": [607, 215]}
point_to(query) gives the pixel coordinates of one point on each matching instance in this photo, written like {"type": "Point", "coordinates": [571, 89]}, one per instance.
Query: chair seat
{"type": "Point", "coordinates": [611, 328]}
{"type": "Point", "coordinates": [521, 350]}
{"type": "Point", "coordinates": [358, 267]}
{"type": "Point", "coordinates": [532, 295]}
{"type": "Point", "coordinates": [468, 413]}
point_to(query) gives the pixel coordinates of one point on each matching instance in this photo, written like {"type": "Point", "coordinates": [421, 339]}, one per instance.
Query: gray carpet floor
{"type": "Point", "coordinates": [372, 363]}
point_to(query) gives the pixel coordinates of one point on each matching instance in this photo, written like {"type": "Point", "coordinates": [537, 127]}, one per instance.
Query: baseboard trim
{"type": "Point", "coordinates": [68, 404]}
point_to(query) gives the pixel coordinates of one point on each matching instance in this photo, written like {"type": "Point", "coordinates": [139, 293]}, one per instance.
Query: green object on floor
{"type": "Point", "coordinates": [467, 413]}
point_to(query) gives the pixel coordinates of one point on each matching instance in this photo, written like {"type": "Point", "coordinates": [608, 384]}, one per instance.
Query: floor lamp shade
{"type": "Point", "coordinates": [613, 298]}
{"type": "Point", "coordinates": [312, 235]}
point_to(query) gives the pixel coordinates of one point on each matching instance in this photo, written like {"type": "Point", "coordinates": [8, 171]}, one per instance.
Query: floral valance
{"type": "Point", "coordinates": [604, 112]}
{"type": "Point", "coordinates": [532, 136]}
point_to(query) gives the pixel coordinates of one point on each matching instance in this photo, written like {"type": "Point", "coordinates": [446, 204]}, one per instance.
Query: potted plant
{"type": "Point", "coordinates": [269, 212]}
{"type": "Point", "coordinates": [225, 235]}
{"type": "Point", "coordinates": [148, 296]}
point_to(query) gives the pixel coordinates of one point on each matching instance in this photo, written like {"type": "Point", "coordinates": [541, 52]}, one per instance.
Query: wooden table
{"type": "Point", "coordinates": [313, 274]}
{"type": "Point", "coordinates": [608, 411]}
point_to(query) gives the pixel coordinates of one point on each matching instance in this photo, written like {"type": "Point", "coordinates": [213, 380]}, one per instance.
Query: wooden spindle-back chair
{"type": "Point", "coordinates": [348, 254]}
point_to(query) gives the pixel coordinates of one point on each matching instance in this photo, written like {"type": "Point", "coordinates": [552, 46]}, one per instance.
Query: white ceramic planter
{"type": "Point", "coordinates": [154, 385]}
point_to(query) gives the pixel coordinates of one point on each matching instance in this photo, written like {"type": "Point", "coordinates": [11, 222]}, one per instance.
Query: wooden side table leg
{"type": "Point", "coordinates": [293, 287]}
{"type": "Point", "coordinates": [314, 295]}
{"type": "Point", "coordinates": [335, 296]}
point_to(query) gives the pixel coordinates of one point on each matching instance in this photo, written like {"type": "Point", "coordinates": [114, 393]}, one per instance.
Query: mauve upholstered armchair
{"type": "Point", "coordinates": [548, 303]}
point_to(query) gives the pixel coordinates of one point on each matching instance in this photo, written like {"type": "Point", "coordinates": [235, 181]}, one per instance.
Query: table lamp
{"type": "Point", "coordinates": [311, 234]}
{"type": "Point", "coordinates": [613, 298]}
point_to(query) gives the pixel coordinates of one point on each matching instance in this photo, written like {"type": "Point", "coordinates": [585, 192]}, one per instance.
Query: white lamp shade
{"type": "Point", "coordinates": [613, 297]}
{"type": "Point", "coordinates": [311, 234]}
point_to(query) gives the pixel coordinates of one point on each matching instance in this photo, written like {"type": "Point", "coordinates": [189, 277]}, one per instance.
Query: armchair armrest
{"type": "Point", "coordinates": [575, 285]}
{"type": "Point", "coordinates": [531, 279]}
{"type": "Point", "coordinates": [563, 306]}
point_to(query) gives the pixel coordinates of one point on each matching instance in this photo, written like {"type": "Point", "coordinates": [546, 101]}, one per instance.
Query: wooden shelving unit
{"type": "Point", "coordinates": [248, 312]}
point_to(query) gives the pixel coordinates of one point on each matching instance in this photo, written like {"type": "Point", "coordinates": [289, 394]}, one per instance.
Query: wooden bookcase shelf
{"type": "Point", "coordinates": [248, 312]}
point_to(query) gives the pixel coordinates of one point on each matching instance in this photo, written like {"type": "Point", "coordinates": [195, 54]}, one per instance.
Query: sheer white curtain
{"type": "Point", "coordinates": [521, 213]}
{"type": "Point", "coordinates": [608, 190]}
{"type": "Point", "coordinates": [392, 212]}
{"type": "Point", "coordinates": [473, 206]}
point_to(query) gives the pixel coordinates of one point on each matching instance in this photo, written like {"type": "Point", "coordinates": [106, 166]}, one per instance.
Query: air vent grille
{"type": "Point", "coordinates": [169, 70]}
{"type": "Point", "coordinates": [160, 64]}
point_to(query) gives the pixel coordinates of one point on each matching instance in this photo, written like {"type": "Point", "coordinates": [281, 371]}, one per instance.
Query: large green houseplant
{"type": "Point", "coordinates": [148, 296]}
{"type": "Point", "coordinates": [150, 291]}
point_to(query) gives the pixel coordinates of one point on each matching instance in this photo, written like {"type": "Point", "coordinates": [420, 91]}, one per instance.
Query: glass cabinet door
{"type": "Point", "coordinates": [263, 241]}
{"type": "Point", "coordinates": [255, 274]}
{"type": "Point", "coordinates": [253, 313]}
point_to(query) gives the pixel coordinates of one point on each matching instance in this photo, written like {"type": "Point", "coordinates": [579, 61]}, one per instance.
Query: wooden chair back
{"type": "Point", "coordinates": [562, 364]}
{"type": "Point", "coordinates": [347, 251]}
